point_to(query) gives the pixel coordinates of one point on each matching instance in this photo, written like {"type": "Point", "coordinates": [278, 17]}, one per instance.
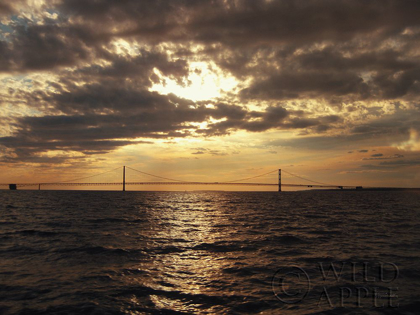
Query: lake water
{"type": "Point", "coordinates": [74, 252]}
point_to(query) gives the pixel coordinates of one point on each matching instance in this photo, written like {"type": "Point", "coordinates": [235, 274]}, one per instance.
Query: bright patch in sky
{"type": "Point", "coordinates": [205, 81]}
{"type": "Point", "coordinates": [413, 144]}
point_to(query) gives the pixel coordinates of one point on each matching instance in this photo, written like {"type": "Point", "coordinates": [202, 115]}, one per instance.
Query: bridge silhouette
{"type": "Point", "coordinates": [171, 181]}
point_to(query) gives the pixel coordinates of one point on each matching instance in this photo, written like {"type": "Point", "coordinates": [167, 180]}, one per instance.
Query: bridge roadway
{"type": "Point", "coordinates": [183, 183]}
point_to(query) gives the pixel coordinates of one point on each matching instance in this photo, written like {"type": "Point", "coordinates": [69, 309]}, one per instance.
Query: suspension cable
{"type": "Point", "coordinates": [232, 181]}
{"type": "Point", "coordinates": [183, 181]}
{"type": "Point", "coordinates": [309, 180]}
{"type": "Point", "coordinates": [175, 180]}
{"type": "Point", "coordinates": [239, 180]}
{"type": "Point", "coordinates": [71, 180]}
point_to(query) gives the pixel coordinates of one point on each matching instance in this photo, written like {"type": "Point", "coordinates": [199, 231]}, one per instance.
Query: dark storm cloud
{"type": "Point", "coordinates": [139, 67]}
{"type": "Point", "coordinates": [40, 47]}
{"type": "Point", "coordinates": [313, 84]}
{"type": "Point", "coordinates": [333, 58]}
{"type": "Point", "coordinates": [270, 118]}
{"type": "Point", "coordinates": [105, 97]}
{"type": "Point", "coordinates": [233, 23]}
{"type": "Point", "coordinates": [98, 118]}
{"type": "Point", "coordinates": [396, 127]}
{"type": "Point", "coordinates": [121, 86]}
{"type": "Point", "coordinates": [10, 6]}
{"type": "Point", "coordinates": [317, 74]}
{"type": "Point", "coordinates": [257, 37]}
{"type": "Point", "coordinates": [91, 133]}
{"type": "Point", "coordinates": [334, 51]}
{"type": "Point", "coordinates": [318, 142]}
{"type": "Point", "coordinates": [341, 141]}
{"type": "Point", "coordinates": [5, 8]}
{"type": "Point", "coordinates": [395, 85]}
{"type": "Point", "coordinates": [26, 148]}
{"type": "Point", "coordinates": [258, 20]}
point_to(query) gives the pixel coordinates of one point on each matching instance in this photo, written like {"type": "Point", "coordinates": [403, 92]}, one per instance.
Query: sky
{"type": "Point", "coordinates": [211, 90]}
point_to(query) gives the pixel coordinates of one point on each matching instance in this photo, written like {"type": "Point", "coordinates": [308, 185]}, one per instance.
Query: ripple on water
{"type": "Point", "coordinates": [195, 253]}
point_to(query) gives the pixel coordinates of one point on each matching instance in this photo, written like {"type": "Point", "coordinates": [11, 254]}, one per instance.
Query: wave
{"type": "Point", "coordinates": [101, 250]}
{"type": "Point", "coordinates": [224, 247]}
{"type": "Point", "coordinates": [286, 240]}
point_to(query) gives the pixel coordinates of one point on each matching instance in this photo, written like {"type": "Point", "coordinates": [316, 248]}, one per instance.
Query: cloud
{"type": "Point", "coordinates": [8, 7]}
{"type": "Point", "coordinates": [394, 164]}
{"type": "Point", "coordinates": [381, 157]}
{"type": "Point", "coordinates": [100, 118]}
{"type": "Point", "coordinates": [368, 171]}
{"type": "Point", "coordinates": [306, 84]}
{"type": "Point", "coordinates": [212, 152]}
{"type": "Point", "coordinates": [317, 142]}
{"type": "Point", "coordinates": [316, 67]}
{"type": "Point", "coordinates": [39, 47]}
{"type": "Point", "coordinates": [399, 163]}
{"type": "Point", "coordinates": [412, 144]}
{"type": "Point", "coordinates": [224, 20]}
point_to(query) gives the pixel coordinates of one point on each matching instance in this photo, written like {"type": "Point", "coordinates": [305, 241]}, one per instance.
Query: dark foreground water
{"type": "Point", "coordinates": [209, 252]}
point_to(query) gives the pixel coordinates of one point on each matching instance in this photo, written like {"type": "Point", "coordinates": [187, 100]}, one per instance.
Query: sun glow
{"type": "Point", "coordinates": [206, 81]}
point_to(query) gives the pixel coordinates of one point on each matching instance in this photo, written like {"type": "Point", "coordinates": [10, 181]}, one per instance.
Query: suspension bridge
{"type": "Point", "coordinates": [170, 181]}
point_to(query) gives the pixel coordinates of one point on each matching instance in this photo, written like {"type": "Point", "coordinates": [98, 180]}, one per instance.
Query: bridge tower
{"type": "Point", "coordinates": [279, 179]}
{"type": "Point", "coordinates": [123, 178]}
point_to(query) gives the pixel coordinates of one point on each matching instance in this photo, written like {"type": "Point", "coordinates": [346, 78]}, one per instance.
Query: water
{"type": "Point", "coordinates": [209, 252]}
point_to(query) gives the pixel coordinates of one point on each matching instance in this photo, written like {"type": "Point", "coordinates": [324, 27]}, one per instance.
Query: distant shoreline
{"type": "Point", "coordinates": [368, 189]}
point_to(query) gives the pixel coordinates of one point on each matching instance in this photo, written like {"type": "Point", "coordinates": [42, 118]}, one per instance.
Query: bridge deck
{"type": "Point", "coordinates": [179, 183]}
